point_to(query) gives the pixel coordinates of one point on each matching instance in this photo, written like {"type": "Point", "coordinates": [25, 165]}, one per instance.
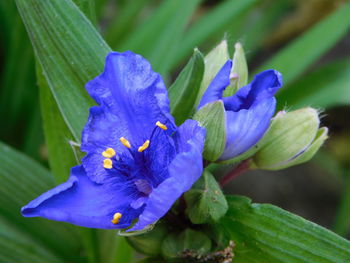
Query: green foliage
{"type": "Point", "coordinates": [57, 133]}
{"type": "Point", "coordinates": [206, 202]}
{"type": "Point", "coordinates": [158, 37]}
{"type": "Point", "coordinates": [176, 244]}
{"type": "Point", "coordinates": [265, 233]}
{"type": "Point", "coordinates": [295, 58]}
{"type": "Point", "coordinates": [327, 86]}
{"type": "Point", "coordinates": [183, 92]}
{"type": "Point", "coordinates": [211, 23]}
{"type": "Point", "coordinates": [23, 179]}
{"type": "Point", "coordinates": [70, 51]}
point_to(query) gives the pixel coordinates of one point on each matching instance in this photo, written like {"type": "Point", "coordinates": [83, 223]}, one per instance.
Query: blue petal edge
{"type": "Point", "coordinates": [218, 85]}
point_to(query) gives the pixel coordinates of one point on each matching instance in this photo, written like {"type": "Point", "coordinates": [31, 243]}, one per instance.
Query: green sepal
{"type": "Point", "coordinates": [213, 118]}
{"type": "Point", "coordinates": [177, 245]}
{"type": "Point", "coordinates": [239, 71]}
{"type": "Point", "coordinates": [184, 91]}
{"type": "Point", "coordinates": [205, 201]}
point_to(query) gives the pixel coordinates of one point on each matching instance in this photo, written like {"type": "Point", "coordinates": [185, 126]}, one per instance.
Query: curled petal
{"type": "Point", "coordinates": [218, 85]}
{"type": "Point", "coordinates": [184, 170]}
{"type": "Point", "coordinates": [82, 202]}
{"type": "Point", "coordinates": [247, 126]}
{"type": "Point", "coordinates": [264, 86]}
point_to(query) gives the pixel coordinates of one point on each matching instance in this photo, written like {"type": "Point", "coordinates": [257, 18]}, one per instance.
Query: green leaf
{"type": "Point", "coordinates": [15, 247]}
{"type": "Point", "coordinates": [70, 51]}
{"type": "Point", "coordinates": [295, 58]}
{"type": "Point", "coordinates": [124, 22]}
{"type": "Point", "coordinates": [266, 233]}
{"type": "Point", "coordinates": [175, 244]}
{"type": "Point", "coordinates": [57, 133]}
{"type": "Point", "coordinates": [209, 24]}
{"type": "Point", "coordinates": [183, 92]}
{"type": "Point", "coordinates": [205, 201]}
{"type": "Point", "coordinates": [325, 87]}
{"type": "Point", "coordinates": [150, 242]}
{"type": "Point", "coordinates": [159, 36]}
{"type": "Point", "coordinates": [22, 180]}
{"type": "Point", "coordinates": [212, 117]}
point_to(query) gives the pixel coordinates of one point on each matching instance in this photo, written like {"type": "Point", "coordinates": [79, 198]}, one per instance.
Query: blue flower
{"type": "Point", "coordinates": [248, 112]}
{"type": "Point", "coordinates": [138, 162]}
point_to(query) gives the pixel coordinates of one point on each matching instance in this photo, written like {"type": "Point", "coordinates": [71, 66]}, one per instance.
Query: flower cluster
{"type": "Point", "coordinates": [138, 162]}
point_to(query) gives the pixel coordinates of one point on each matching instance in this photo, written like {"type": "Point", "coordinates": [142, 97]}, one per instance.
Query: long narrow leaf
{"type": "Point", "coordinates": [70, 51]}
{"type": "Point", "coordinates": [15, 247]}
{"type": "Point", "coordinates": [159, 36]}
{"type": "Point", "coordinates": [22, 180]}
{"type": "Point", "coordinates": [295, 58]}
{"type": "Point", "coordinates": [209, 24]}
{"type": "Point", "coordinates": [325, 87]}
{"type": "Point", "coordinates": [265, 233]}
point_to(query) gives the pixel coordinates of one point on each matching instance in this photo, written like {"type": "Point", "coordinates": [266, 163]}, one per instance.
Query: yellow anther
{"type": "Point", "coordinates": [107, 163]}
{"type": "Point", "coordinates": [161, 125]}
{"type": "Point", "coordinates": [125, 142]}
{"type": "Point", "coordinates": [116, 218]}
{"type": "Point", "coordinates": [109, 153]}
{"type": "Point", "coordinates": [144, 146]}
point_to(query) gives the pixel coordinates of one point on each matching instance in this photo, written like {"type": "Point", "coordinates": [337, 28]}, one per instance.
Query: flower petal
{"type": "Point", "coordinates": [184, 170]}
{"type": "Point", "coordinates": [247, 126]}
{"type": "Point", "coordinates": [264, 85]}
{"type": "Point", "coordinates": [131, 91]}
{"type": "Point", "coordinates": [82, 202]}
{"type": "Point", "coordinates": [218, 85]}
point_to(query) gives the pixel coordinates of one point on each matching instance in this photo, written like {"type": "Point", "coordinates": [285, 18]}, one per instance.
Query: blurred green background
{"type": "Point", "coordinates": [308, 41]}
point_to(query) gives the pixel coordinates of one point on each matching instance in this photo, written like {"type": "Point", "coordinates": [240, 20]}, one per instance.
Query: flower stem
{"type": "Point", "coordinates": [241, 168]}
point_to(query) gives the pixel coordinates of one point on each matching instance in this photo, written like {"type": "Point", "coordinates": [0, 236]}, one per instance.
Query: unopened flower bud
{"type": "Point", "coordinates": [293, 138]}
{"type": "Point", "coordinates": [239, 71]}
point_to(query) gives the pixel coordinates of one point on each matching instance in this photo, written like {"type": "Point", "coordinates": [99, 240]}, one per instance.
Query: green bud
{"type": "Point", "coordinates": [175, 245]}
{"type": "Point", "coordinates": [205, 201]}
{"type": "Point", "coordinates": [292, 138]}
{"type": "Point", "coordinates": [212, 117]}
{"type": "Point", "coordinates": [213, 62]}
{"type": "Point", "coordinates": [239, 71]}
{"type": "Point", "coordinates": [150, 242]}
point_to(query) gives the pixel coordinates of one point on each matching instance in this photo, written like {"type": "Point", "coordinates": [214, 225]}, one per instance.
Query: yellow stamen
{"type": "Point", "coordinates": [161, 125]}
{"type": "Point", "coordinates": [116, 218]}
{"type": "Point", "coordinates": [107, 163]}
{"type": "Point", "coordinates": [125, 142]}
{"type": "Point", "coordinates": [144, 146]}
{"type": "Point", "coordinates": [109, 153]}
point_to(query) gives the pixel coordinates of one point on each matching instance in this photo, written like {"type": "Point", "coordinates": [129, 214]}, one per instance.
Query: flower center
{"type": "Point", "coordinates": [142, 185]}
